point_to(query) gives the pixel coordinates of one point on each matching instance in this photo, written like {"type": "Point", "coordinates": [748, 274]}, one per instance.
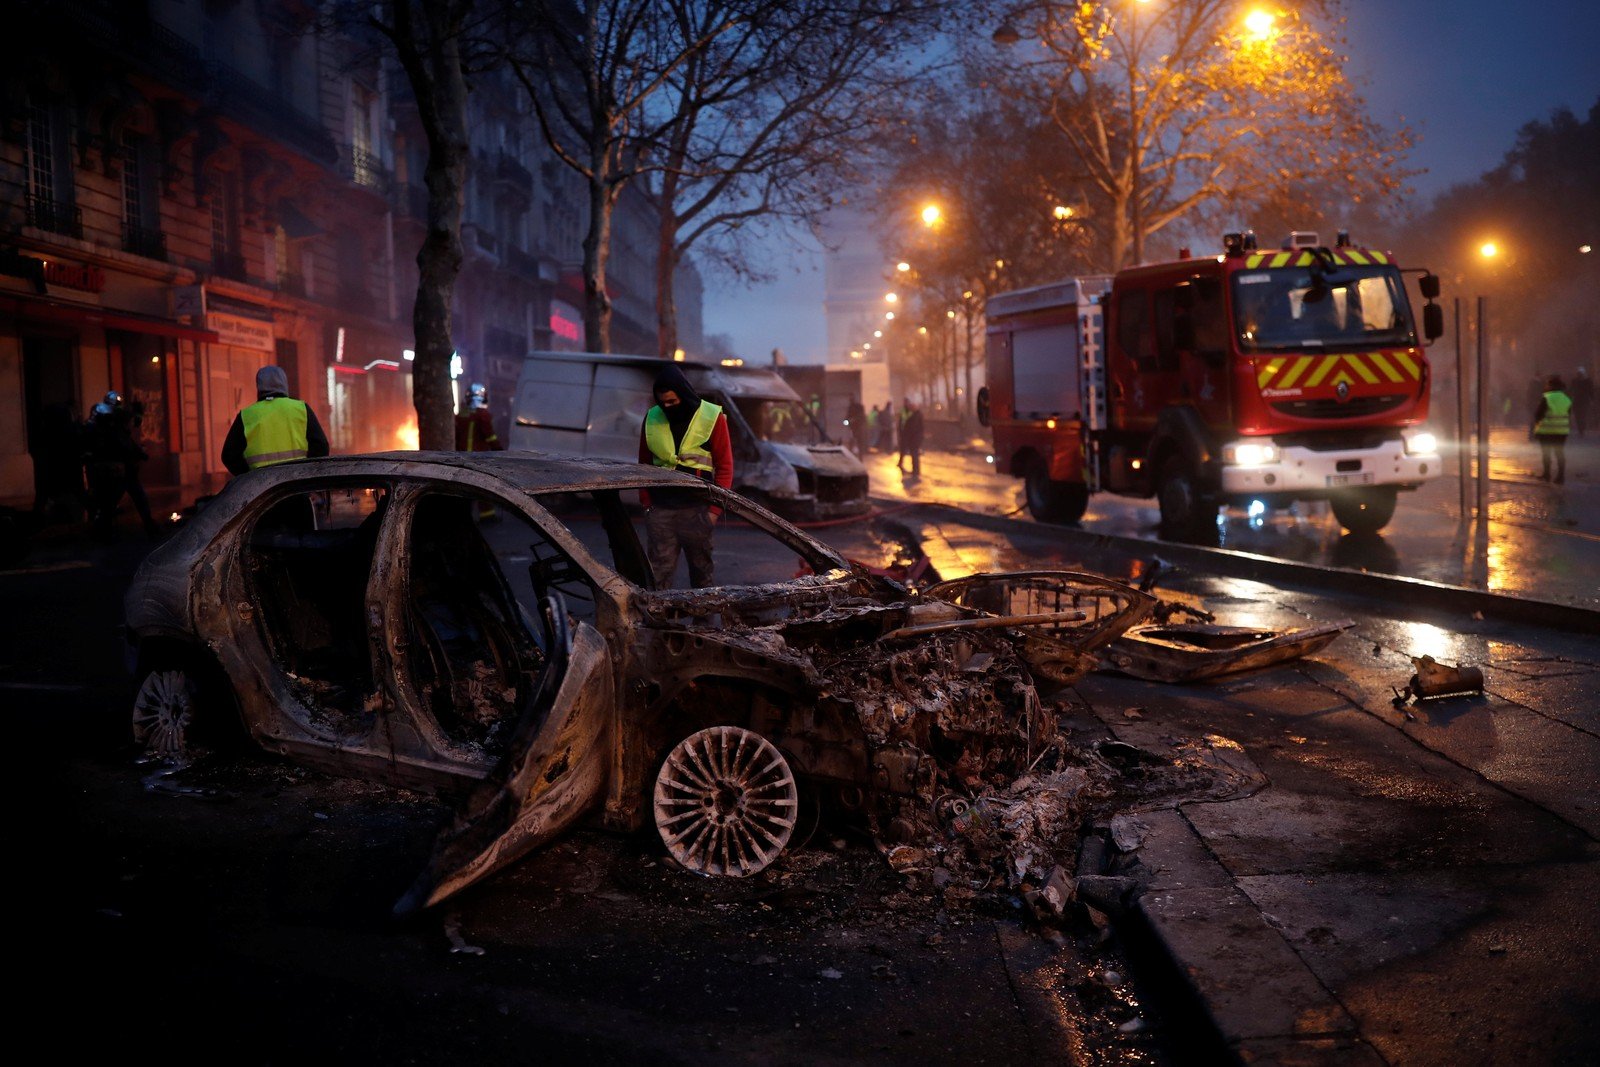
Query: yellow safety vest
{"type": "Point", "coordinates": [1557, 412]}
{"type": "Point", "coordinates": [274, 431]}
{"type": "Point", "coordinates": [691, 451]}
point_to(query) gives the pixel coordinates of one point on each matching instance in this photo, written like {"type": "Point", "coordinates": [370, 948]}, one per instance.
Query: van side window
{"type": "Point", "coordinates": [1134, 336]}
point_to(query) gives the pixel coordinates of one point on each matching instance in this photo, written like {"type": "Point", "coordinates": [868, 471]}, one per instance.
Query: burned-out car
{"type": "Point", "coordinates": [485, 626]}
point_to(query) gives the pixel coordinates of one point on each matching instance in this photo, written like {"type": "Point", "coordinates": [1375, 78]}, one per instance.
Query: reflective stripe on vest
{"type": "Point", "coordinates": [1557, 409]}
{"type": "Point", "coordinates": [691, 451]}
{"type": "Point", "coordinates": [274, 431]}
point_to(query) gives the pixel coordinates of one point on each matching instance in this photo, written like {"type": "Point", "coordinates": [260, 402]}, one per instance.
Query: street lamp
{"type": "Point", "coordinates": [902, 266]}
{"type": "Point", "coordinates": [931, 214]}
{"type": "Point", "coordinates": [1488, 250]}
{"type": "Point", "coordinates": [1259, 23]}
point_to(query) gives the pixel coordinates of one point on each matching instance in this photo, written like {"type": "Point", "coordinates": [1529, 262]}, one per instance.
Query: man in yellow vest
{"type": "Point", "coordinates": [683, 433]}
{"type": "Point", "coordinates": [1552, 421]}
{"type": "Point", "coordinates": [275, 429]}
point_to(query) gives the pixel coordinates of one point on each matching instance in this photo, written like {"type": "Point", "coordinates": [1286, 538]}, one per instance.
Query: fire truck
{"type": "Point", "coordinates": [1270, 376]}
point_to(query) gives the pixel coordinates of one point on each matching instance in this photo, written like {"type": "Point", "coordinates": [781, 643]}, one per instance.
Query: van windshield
{"type": "Point", "coordinates": [1306, 307]}
{"type": "Point", "coordinates": [784, 422]}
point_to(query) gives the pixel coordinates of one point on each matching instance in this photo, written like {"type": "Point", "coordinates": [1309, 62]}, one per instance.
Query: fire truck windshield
{"type": "Point", "coordinates": [1301, 307]}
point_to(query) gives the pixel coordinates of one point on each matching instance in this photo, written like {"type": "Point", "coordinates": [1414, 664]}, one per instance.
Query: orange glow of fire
{"type": "Point", "coordinates": [406, 436]}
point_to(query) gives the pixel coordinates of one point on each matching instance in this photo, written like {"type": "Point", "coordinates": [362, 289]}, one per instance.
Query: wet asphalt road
{"type": "Point", "coordinates": [1541, 541]}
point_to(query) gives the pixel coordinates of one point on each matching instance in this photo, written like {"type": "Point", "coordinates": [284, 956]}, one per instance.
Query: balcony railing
{"type": "Point", "coordinates": [365, 168]}
{"type": "Point", "coordinates": [45, 214]}
{"type": "Point", "coordinates": [142, 241]}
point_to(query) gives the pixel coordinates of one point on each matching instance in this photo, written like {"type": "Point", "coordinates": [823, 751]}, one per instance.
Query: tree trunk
{"type": "Point", "coordinates": [666, 267]}
{"type": "Point", "coordinates": [596, 250]}
{"type": "Point", "coordinates": [439, 258]}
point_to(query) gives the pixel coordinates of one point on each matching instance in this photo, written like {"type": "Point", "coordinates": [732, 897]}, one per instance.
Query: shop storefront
{"type": "Point", "coordinates": [69, 332]}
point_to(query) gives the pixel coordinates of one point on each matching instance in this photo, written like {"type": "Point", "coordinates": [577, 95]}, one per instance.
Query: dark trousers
{"type": "Point", "coordinates": [1553, 445]}
{"type": "Point", "coordinates": [688, 530]}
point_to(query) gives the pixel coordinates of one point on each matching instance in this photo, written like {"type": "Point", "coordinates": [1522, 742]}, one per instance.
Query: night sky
{"type": "Point", "coordinates": [1465, 74]}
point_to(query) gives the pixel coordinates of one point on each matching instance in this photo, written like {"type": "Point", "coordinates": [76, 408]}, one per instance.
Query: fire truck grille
{"type": "Point", "coordinates": [1354, 408]}
{"type": "Point", "coordinates": [1337, 440]}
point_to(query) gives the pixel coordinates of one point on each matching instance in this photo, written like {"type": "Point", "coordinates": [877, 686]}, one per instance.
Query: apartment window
{"type": "Point", "coordinates": [41, 152]}
{"type": "Point", "coordinates": [141, 229]}
{"type": "Point", "coordinates": [49, 206]}
{"type": "Point", "coordinates": [365, 167]}
{"type": "Point", "coordinates": [225, 255]}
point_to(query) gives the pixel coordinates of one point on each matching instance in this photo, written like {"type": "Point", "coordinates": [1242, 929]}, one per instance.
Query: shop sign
{"type": "Point", "coordinates": [565, 322]}
{"type": "Point", "coordinates": [240, 332]}
{"type": "Point", "coordinates": [74, 276]}
{"type": "Point", "coordinates": [44, 272]}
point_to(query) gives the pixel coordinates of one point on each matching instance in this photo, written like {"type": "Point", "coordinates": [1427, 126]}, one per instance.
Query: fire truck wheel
{"type": "Point", "coordinates": [1050, 501]}
{"type": "Point", "coordinates": [1364, 511]}
{"type": "Point", "coordinates": [1185, 513]}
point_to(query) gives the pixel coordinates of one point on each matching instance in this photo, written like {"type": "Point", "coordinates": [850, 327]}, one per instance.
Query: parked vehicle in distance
{"type": "Point", "coordinates": [584, 404]}
{"type": "Point", "coordinates": [1274, 376]}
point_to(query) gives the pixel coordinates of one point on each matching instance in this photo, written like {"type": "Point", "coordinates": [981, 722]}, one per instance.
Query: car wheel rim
{"type": "Point", "coordinates": [162, 712]}
{"type": "Point", "coordinates": [725, 802]}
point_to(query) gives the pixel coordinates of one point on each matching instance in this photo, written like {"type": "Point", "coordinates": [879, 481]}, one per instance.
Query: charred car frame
{"type": "Point", "coordinates": [483, 626]}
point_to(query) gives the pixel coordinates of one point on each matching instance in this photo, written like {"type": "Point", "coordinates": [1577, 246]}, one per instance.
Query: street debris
{"type": "Point", "coordinates": [458, 945]}
{"type": "Point", "coordinates": [1191, 652]}
{"type": "Point", "coordinates": [1434, 680]}
{"type": "Point", "coordinates": [1127, 832]}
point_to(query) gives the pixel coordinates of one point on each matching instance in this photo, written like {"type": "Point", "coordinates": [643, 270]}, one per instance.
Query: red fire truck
{"type": "Point", "coordinates": [1271, 376]}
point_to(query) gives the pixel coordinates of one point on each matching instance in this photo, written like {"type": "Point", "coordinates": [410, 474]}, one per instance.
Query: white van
{"type": "Point", "coordinates": [583, 404]}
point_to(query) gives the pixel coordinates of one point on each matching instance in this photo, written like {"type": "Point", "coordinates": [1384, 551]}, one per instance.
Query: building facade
{"type": "Point", "coordinates": [192, 189]}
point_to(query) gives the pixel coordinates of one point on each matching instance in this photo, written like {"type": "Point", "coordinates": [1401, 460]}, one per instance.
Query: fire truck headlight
{"type": "Point", "coordinates": [1422, 444]}
{"type": "Point", "coordinates": [1250, 454]}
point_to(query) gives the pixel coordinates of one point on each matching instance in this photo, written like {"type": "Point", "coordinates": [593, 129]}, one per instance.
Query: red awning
{"type": "Point", "coordinates": [60, 311]}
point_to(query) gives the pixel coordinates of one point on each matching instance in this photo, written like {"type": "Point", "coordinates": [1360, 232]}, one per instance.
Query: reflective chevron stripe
{"type": "Point", "coordinates": [1304, 258]}
{"type": "Point", "coordinates": [1394, 367]}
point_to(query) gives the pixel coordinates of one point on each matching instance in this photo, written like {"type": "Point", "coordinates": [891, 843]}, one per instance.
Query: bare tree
{"type": "Point", "coordinates": [430, 39]}
{"type": "Point", "coordinates": [592, 70]}
{"type": "Point", "coordinates": [1176, 106]}
{"type": "Point", "coordinates": [769, 116]}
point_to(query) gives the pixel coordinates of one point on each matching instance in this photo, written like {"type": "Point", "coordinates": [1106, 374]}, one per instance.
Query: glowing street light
{"type": "Point", "coordinates": [1585, 249]}
{"type": "Point", "coordinates": [890, 298]}
{"type": "Point", "coordinates": [888, 315]}
{"type": "Point", "coordinates": [1259, 23]}
{"type": "Point", "coordinates": [902, 266]}
{"type": "Point", "coordinates": [877, 333]}
{"type": "Point", "coordinates": [1062, 212]}
{"type": "Point", "coordinates": [931, 214]}
{"type": "Point", "coordinates": [1488, 250]}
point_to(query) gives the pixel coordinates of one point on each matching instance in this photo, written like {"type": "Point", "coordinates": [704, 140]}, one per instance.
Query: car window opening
{"type": "Point", "coordinates": [308, 561]}
{"type": "Point", "coordinates": [476, 641]}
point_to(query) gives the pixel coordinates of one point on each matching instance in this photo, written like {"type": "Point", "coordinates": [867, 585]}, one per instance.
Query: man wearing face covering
{"type": "Point", "coordinates": [274, 429]}
{"type": "Point", "coordinates": [683, 433]}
